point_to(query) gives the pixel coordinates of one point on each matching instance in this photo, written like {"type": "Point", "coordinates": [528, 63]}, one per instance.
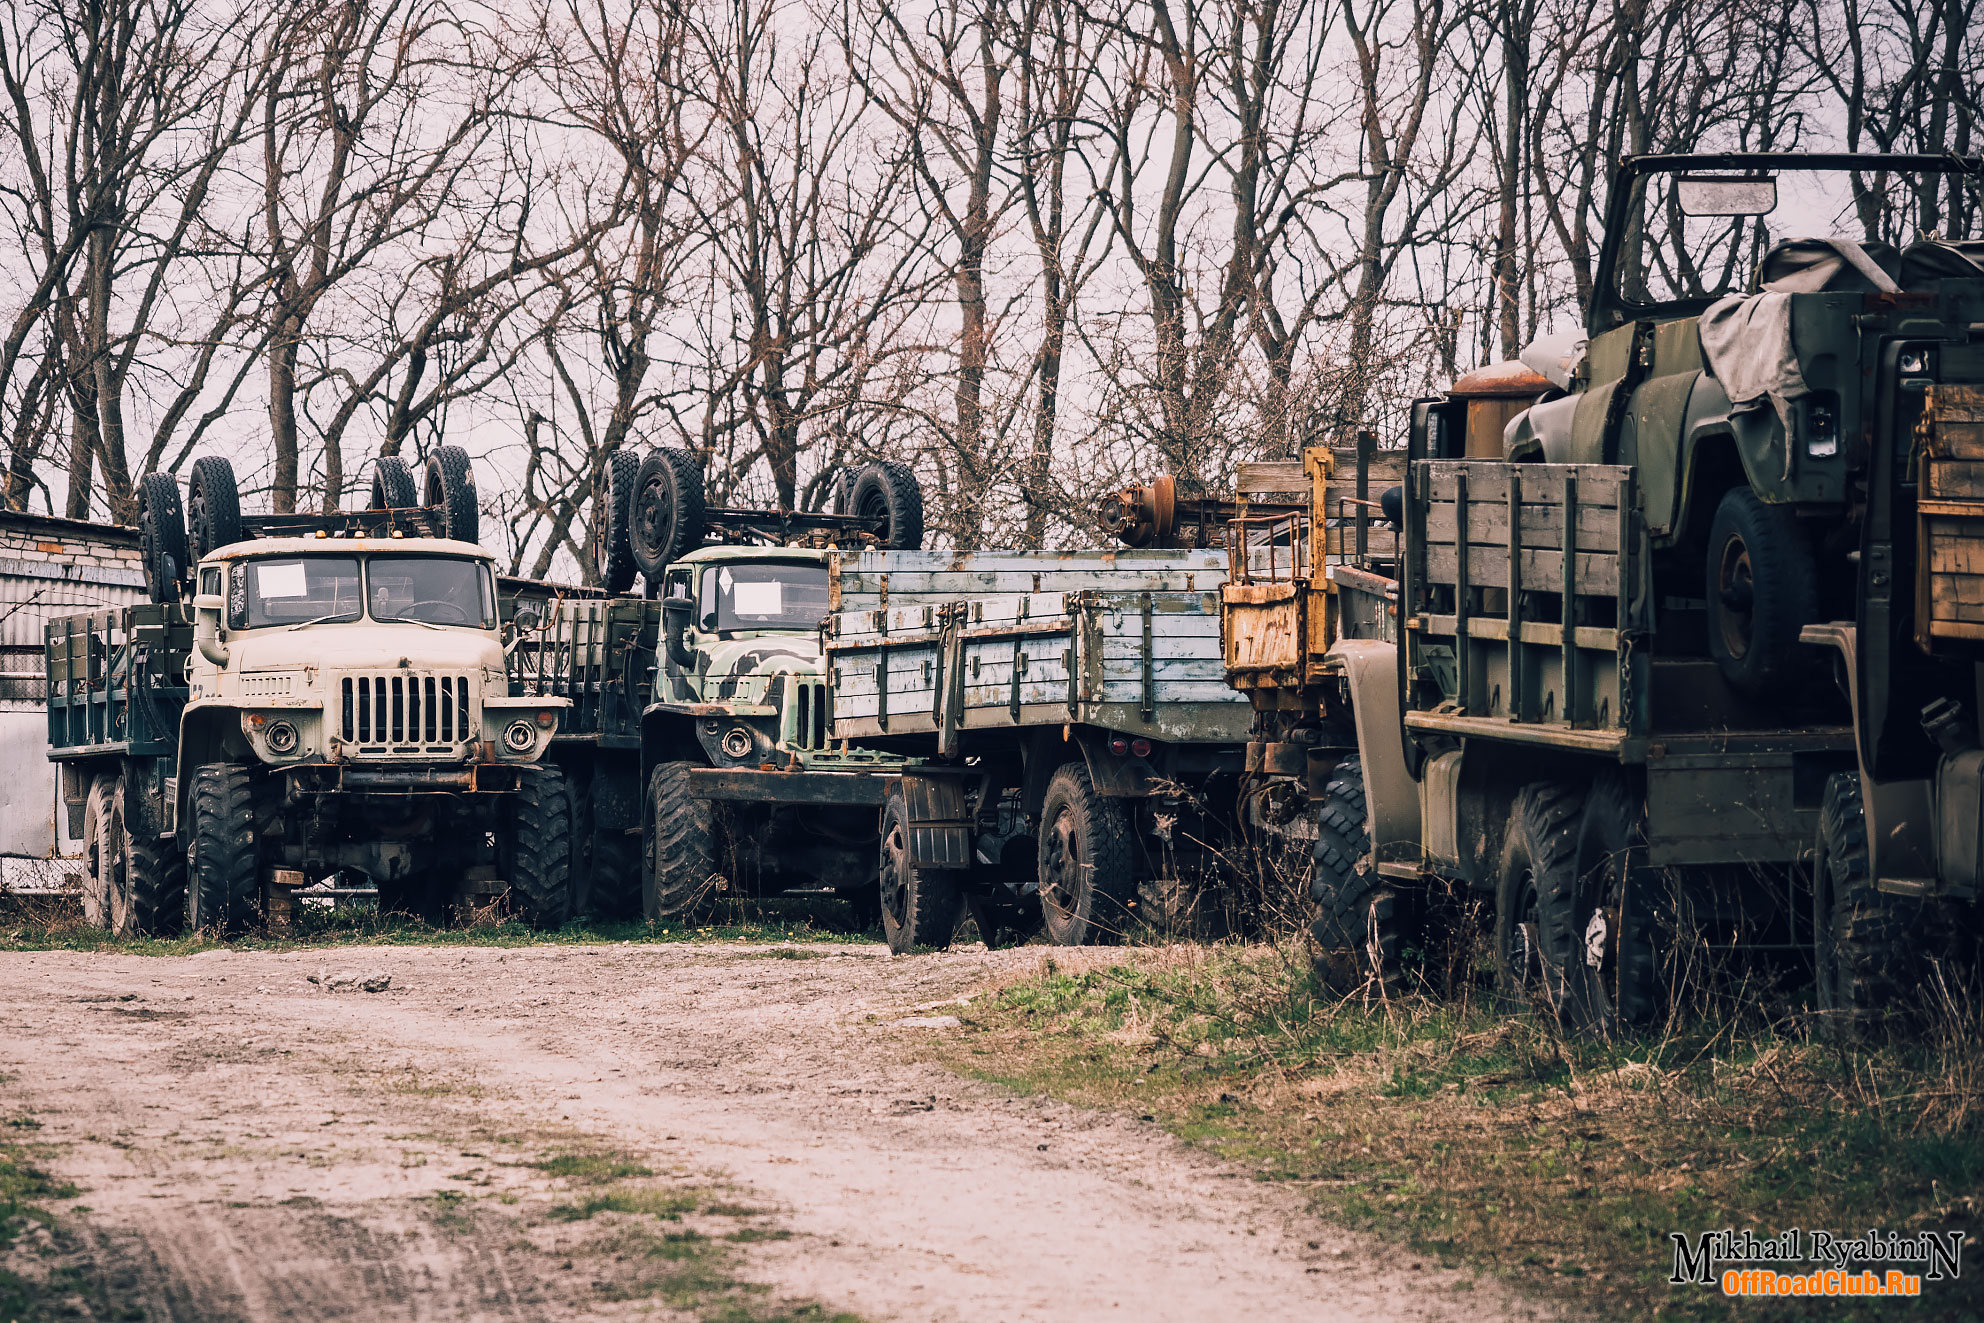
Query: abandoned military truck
{"type": "Point", "coordinates": [700, 715]}
{"type": "Point", "coordinates": [1691, 616]}
{"type": "Point", "coordinates": [311, 706]}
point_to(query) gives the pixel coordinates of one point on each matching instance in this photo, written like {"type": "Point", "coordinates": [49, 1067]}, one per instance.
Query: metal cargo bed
{"type": "Point", "coordinates": [940, 642]}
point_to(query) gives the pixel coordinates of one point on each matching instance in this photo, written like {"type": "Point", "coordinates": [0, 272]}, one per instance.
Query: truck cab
{"type": "Point", "coordinates": [741, 654]}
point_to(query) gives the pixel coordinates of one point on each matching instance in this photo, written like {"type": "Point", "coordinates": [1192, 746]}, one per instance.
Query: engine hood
{"type": "Point", "coordinates": [364, 646]}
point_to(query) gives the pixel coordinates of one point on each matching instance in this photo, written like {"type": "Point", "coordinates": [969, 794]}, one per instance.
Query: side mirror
{"type": "Point", "coordinates": [676, 613]}
{"type": "Point", "coordinates": [206, 628]}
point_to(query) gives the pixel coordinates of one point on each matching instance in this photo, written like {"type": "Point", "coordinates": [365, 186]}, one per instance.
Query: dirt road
{"type": "Point", "coordinates": [603, 1132]}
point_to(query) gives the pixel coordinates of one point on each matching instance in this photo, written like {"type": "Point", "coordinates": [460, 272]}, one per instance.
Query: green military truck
{"type": "Point", "coordinates": [1690, 645]}
{"type": "Point", "coordinates": [311, 708]}
{"type": "Point", "coordinates": [698, 726]}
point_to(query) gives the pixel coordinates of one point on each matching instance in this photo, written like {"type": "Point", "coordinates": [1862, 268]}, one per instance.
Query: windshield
{"type": "Point", "coordinates": [293, 590]}
{"type": "Point", "coordinates": [764, 595]}
{"type": "Point", "coordinates": [438, 590]}
{"type": "Point", "coordinates": [288, 590]}
{"type": "Point", "coordinates": [1697, 233]}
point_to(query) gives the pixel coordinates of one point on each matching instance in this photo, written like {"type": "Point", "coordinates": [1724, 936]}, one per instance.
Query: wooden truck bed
{"type": "Point", "coordinates": [938, 642]}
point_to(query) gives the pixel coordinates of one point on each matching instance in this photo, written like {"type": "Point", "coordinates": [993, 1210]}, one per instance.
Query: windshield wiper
{"type": "Point", "coordinates": [410, 620]}
{"type": "Point", "coordinates": [305, 624]}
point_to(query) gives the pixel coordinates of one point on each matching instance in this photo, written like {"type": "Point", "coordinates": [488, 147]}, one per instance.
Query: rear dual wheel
{"type": "Point", "coordinates": [135, 882]}
{"type": "Point", "coordinates": [1578, 918]}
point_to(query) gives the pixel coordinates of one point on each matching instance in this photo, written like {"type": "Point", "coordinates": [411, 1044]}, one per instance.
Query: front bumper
{"type": "Point", "coordinates": [313, 779]}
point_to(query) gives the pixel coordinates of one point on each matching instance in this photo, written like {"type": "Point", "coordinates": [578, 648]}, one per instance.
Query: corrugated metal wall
{"type": "Point", "coordinates": [48, 568]}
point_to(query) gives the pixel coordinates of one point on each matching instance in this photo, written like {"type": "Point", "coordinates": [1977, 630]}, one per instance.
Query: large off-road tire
{"type": "Point", "coordinates": [162, 536]}
{"type": "Point", "coordinates": [100, 853]}
{"type": "Point", "coordinates": [665, 520]}
{"type": "Point", "coordinates": [833, 492]}
{"type": "Point", "coordinates": [1534, 893]}
{"type": "Point", "coordinates": [1866, 941]}
{"type": "Point", "coordinates": [450, 487]}
{"type": "Point", "coordinates": [678, 845]}
{"type": "Point", "coordinates": [224, 875]}
{"type": "Point", "coordinates": [1087, 873]}
{"type": "Point", "coordinates": [535, 846]}
{"type": "Point", "coordinates": [393, 487]}
{"type": "Point", "coordinates": [1357, 918]}
{"type": "Point", "coordinates": [612, 509]}
{"type": "Point", "coordinates": [213, 507]}
{"type": "Point", "coordinates": [920, 906]}
{"type": "Point", "coordinates": [1616, 923]}
{"type": "Point", "coordinates": [1763, 587]}
{"type": "Point", "coordinates": [154, 874]}
{"type": "Point", "coordinates": [888, 491]}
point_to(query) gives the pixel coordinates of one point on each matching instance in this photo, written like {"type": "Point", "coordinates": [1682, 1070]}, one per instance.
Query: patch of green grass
{"type": "Point", "coordinates": [58, 926]}
{"type": "Point", "coordinates": [667, 1204]}
{"type": "Point", "coordinates": [23, 1189]}
{"type": "Point", "coordinates": [1489, 1139]}
{"type": "Point", "coordinates": [697, 1274]}
{"type": "Point", "coordinates": [591, 1166]}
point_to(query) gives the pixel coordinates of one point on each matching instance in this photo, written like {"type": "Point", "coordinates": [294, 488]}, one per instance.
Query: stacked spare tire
{"type": "Point", "coordinates": [652, 510]}
{"type": "Point", "coordinates": [175, 535]}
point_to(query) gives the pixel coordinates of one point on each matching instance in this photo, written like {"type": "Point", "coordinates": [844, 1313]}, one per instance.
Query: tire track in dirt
{"type": "Point", "coordinates": [253, 1147]}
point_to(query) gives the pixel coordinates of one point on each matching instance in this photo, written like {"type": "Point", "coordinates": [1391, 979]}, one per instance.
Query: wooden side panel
{"type": "Point", "coordinates": [1525, 594]}
{"type": "Point", "coordinates": [1949, 577]}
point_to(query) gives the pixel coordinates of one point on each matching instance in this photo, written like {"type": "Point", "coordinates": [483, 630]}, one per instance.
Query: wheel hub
{"type": "Point", "coordinates": [1736, 595]}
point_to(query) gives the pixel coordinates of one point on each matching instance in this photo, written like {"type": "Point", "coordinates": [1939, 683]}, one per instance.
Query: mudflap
{"type": "Point", "coordinates": [940, 826]}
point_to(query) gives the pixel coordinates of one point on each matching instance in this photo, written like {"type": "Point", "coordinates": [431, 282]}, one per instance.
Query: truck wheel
{"type": "Point", "coordinates": [162, 536]}
{"type": "Point", "coordinates": [213, 506]}
{"type": "Point", "coordinates": [1357, 918]}
{"type": "Point", "coordinates": [678, 847]}
{"type": "Point", "coordinates": [920, 906]}
{"type": "Point", "coordinates": [451, 488]}
{"type": "Point", "coordinates": [666, 511]}
{"type": "Point", "coordinates": [1534, 892]}
{"type": "Point", "coordinates": [1086, 880]}
{"type": "Point", "coordinates": [612, 507]}
{"type": "Point", "coordinates": [154, 874]}
{"type": "Point", "coordinates": [1613, 971]}
{"type": "Point", "coordinates": [833, 490]}
{"type": "Point", "coordinates": [536, 847]}
{"type": "Point", "coordinates": [226, 864]}
{"type": "Point", "coordinates": [393, 487]}
{"type": "Point", "coordinates": [100, 854]}
{"type": "Point", "coordinates": [1862, 943]}
{"type": "Point", "coordinates": [888, 491]}
{"type": "Point", "coordinates": [1762, 589]}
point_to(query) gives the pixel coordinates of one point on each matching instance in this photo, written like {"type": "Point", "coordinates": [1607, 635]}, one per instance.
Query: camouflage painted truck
{"type": "Point", "coordinates": [698, 732]}
{"type": "Point", "coordinates": [1690, 621]}
{"type": "Point", "coordinates": [310, 707]}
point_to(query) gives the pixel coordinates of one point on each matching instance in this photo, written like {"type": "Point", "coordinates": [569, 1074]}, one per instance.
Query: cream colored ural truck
{"type": "Point", "coordinates": [310, 707]}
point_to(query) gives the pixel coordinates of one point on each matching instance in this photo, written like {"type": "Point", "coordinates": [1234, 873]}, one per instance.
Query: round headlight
{"type": "Point", "coordinates": [280, 737]}
{"type": "Point", "coordinates": [519, 736]}
{"type": "Point", "coordinates": [737, 742]}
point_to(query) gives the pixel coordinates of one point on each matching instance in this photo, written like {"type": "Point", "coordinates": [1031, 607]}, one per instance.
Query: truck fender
{"type": "Point", "coordinates": [208, 733]}
{"type": "Point", "coordinates": [1370, 668]}
{"type": "Point", "coordinates": [1901, 815]}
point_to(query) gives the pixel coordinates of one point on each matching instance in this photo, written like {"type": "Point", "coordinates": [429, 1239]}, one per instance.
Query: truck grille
{"type": "Point", "coordinates": [811, 720]}
{"type": "Point", "coordinates": [404, 709]}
